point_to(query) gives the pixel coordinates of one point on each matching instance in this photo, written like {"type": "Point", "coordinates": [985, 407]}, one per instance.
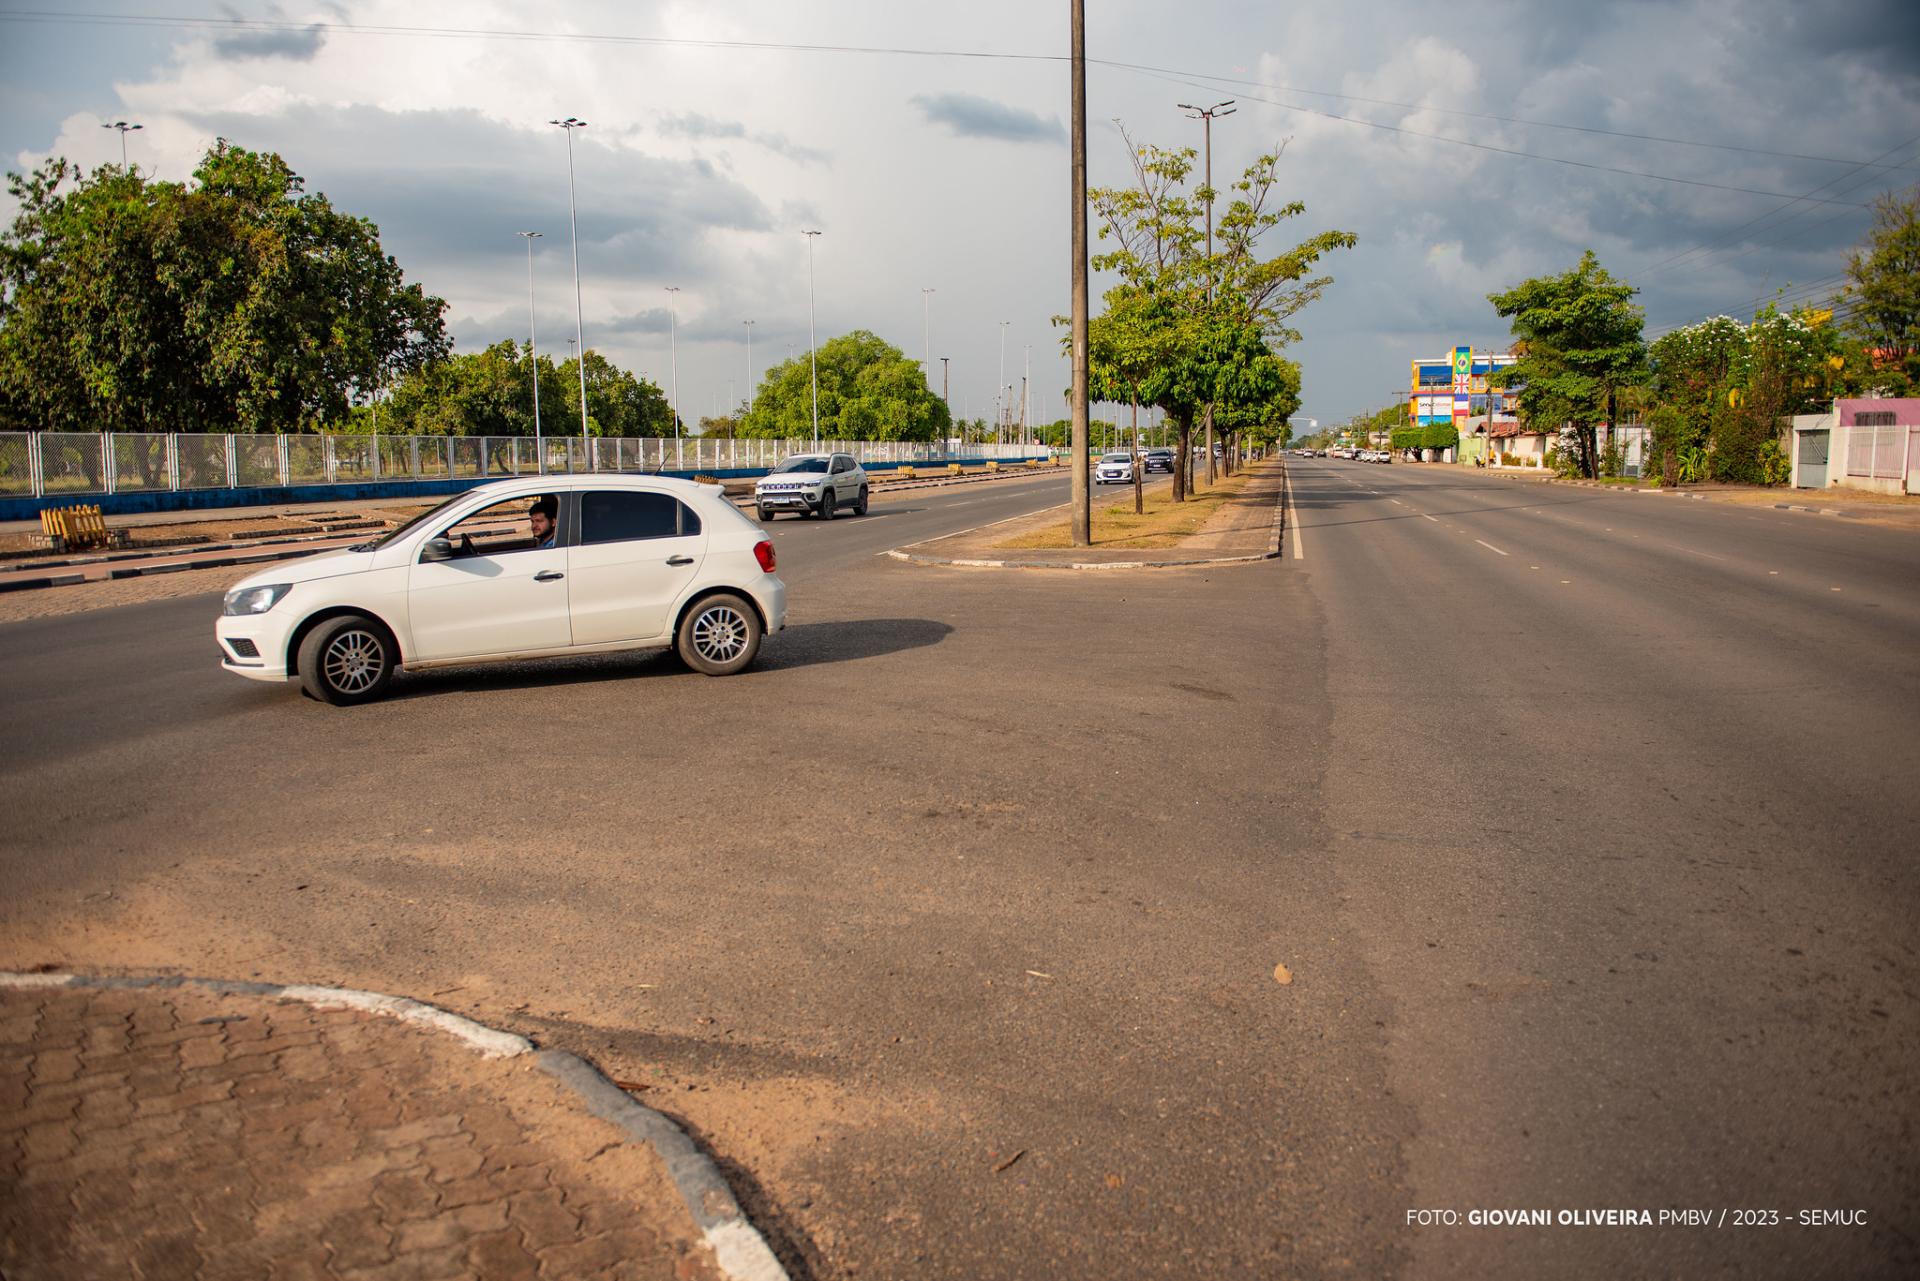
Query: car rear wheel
{"type": "Point", "coordinates": [719, 636]}
{"type": "Point", "coordinates": [860, 507]}
{"type": "Point", "coordinates": [347, 660]}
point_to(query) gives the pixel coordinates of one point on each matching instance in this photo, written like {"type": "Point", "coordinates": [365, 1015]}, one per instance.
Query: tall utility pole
{"type": "Point", "coordinates": [124, 129]}
{"type": "Point", "coordinates": [1206, 115]}
{"type": "Point", "coordinates": [533, 353]}
{"type": "Point", "coordinates": [579, 331]}
{"type": "Point", "coordinates": [673, 353]}
{"type": "Point", "coordinates": [813, 361]}
{"type": "Point", "coordinates": [1082, 491]}
{"type": "Point", "coordinates": [926, 330]}
{"type": "Point", "coordinates": [1000, 395]}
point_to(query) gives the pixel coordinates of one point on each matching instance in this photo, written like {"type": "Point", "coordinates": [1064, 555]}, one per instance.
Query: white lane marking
{"type": "Point", "coordinates": [1424, 516]}
{"type": "Point", "coordinates": [1396, 502]}
{"type": "Point", "coordinates": [1293, 518]}
{"type": "Point", "coordinates": [1692, 551]}
{"type": "Point", "coordinates": [1489, 546]}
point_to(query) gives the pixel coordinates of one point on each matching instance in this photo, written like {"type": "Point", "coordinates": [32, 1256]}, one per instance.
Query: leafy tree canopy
{"type": "Point", "coordinates": [1578, 335]}
{"type": "Point", "coordinates": [869, 390]}
{"type": "Point", "coordinates": [235, 302]}
{"type": "Point", "coordinates": [1883, 287]}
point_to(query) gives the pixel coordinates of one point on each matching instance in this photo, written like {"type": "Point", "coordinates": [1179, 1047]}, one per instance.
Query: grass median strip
{"type": "Point", "coordinates": [1164, 523]}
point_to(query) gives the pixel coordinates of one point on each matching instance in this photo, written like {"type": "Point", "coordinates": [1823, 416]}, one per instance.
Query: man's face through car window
{"type": "Point", "coordinates": [541, 518]}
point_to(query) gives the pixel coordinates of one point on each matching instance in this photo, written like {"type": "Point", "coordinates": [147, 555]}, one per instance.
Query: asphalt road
{"type": "Point", "coordinates": [953, 925]}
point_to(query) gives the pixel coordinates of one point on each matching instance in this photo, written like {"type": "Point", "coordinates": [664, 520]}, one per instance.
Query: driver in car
{"type": "Point", "coordinates": [541, 516]}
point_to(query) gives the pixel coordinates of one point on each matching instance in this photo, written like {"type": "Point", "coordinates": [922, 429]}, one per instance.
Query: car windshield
{"type": "Point", "coordinates": [801, 464]}
{"type": "Point", "coordinates": [1116, 458]}
{"type": "Point", "coordinates": [397, 534]}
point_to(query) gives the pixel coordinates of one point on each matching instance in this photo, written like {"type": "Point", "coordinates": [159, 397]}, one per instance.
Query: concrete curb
{"type": "Point", "coordinates": [737, 1246]}
{"type": "Point", "coordinates": [921, 558]}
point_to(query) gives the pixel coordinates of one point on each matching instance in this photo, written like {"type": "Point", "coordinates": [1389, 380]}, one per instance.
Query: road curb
{"type": "Point", "coordinates": [738, 1247]}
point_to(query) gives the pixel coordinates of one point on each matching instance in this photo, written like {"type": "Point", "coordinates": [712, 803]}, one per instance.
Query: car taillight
{"type": "Point", "coordinates": [763, 552]}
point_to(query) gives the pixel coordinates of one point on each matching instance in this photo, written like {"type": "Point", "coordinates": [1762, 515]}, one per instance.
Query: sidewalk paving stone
{"type": "Point", "coordinates": [186, 1133]}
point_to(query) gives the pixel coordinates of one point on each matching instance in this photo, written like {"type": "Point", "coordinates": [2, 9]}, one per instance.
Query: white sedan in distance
{"type": "Point", "coordinates": [542, 567]}
{"type": "Point", "coordinates": [1114, 469]}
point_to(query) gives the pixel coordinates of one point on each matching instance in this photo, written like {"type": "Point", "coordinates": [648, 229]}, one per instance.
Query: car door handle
{"type": "Point", "coordinates": [548, 576]}
{"type": "Point", "coordinates": [679, 560]}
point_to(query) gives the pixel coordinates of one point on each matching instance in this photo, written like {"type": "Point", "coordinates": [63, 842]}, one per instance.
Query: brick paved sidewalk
{"type": "Point", "coordinates": [182, 1133]}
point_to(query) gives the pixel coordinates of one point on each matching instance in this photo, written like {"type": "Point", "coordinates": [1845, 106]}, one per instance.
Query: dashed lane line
{"type": "Point", "coordinates": [1489, 546]}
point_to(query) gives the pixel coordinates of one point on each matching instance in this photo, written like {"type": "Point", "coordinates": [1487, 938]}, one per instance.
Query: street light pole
{"type": "Point", "coordinates": [926, 343]}
{"type": "Point", "coordinates": [533, 353]}
{"type": "Point", "coordinates": [124, 129]}
{"type": "Point", "coordinates": [813, 360]}
{"type": "Point", "coordinates": [1026, 394]}
{"type": "Point", "coordinates": [999, 395]}
{"type": "Point", "coordinates": [673, 356]}
{"type": "Point", "coordinates": [1205, 115]}
{"type": "Point", "coordinates": [579, 333]}
{"type": "Point", "coordinates": [749, 325]}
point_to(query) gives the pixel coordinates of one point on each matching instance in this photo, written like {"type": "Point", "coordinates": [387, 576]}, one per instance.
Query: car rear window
{"type": "Point", "coordinates": [622, 515]}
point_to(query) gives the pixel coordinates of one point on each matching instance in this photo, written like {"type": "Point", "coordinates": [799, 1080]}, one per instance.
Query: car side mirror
{"type": "Point", "coordinates": [436, 549]}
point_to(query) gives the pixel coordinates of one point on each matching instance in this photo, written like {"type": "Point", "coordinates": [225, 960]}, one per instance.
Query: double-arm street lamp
{"type": "Point", "coordinates": [533, 354]}
{"type": "Point", "coordinates": [673, 356]}
{"type": "Point", "coordinates": [124, 129]}
{"type": "Point", "coordinates": [579, 333]}
{"type": "Point", "coordinates": [813, 363]}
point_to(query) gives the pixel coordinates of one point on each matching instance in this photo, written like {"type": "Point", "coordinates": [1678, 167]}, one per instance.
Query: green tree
{"type": "Point", "coordinates": [869, 390]}
{"type": "Point", "coordinates": [238, 302]}
{"type": "Point", "coordinates": [1579, 338]}
{"type": "Point", "coordinates": [1883, 293]}
{"type": "Point", "coordinates": [1196, 318]}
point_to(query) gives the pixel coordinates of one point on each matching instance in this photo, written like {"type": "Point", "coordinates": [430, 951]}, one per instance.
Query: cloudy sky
{"type": "Point", "coordinates": [1468, 145]}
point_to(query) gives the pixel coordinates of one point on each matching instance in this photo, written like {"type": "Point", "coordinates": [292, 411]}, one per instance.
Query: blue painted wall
{"type": "Point", "coordinates": [164, 500]}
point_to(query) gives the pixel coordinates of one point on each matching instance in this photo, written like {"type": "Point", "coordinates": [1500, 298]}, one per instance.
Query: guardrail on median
{"type": "Point", "coordinates": [59, 464]}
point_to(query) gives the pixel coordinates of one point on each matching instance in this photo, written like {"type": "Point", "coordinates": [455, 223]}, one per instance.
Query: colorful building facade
{"type": "Point", "coordinates": [1453, 389]}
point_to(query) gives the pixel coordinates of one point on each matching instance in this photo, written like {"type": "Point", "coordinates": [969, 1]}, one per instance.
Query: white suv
{"type": "Point", "coordinates": [813, 485]}
{"type": "Point", "coordinates": [515, 569]}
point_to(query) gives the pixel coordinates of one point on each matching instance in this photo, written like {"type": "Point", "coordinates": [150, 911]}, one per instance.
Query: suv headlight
{"type": "Point", "coordinates": [254, 600]}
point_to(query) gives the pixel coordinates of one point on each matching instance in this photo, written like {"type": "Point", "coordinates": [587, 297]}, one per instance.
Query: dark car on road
{"type": "Point", "coordinates": [1158, 460]}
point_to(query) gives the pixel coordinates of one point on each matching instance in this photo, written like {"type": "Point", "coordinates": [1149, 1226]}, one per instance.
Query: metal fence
{"type": "Point", "coordinates": [1877, 453]}
{"type": "Point", "coordinates": [57, 464]}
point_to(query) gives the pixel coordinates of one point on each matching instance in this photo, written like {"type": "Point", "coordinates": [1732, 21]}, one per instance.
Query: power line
{"type": "Point", "coordinates": [1512, 151]}
{"type": "Point", "coordinates": [500, 33]}
{"type": "Point", "coordinates": [1732, 235]}
{"type": "Point", "coordinates": [1511, 120]}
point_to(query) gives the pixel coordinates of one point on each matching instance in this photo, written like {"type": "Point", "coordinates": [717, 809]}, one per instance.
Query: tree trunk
{"type": "Point", "coordinates": [1139, 463]}
{"type": "Point", "coordinates": [1212, 479]}
{"type": "Point", "coordinates": [1183, 462]}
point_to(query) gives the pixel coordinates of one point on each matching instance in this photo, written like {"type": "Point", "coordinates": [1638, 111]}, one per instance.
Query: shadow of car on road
{"type": "Point", "coordinates": [800, 645]}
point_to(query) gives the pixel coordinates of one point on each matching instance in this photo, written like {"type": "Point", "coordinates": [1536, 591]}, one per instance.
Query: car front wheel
{"type": "Point", "coordinates": [827, 505]}
{"type": "Point", "coordinates": [346, 661]}
{"type": "Point", "coordinates": [766, 513]}
{"type": "Point", "coordinates": [719, 636]}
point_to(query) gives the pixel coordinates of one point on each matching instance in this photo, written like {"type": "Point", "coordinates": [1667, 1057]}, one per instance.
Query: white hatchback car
{"type": "Point", "coordinates": [533, 568]}
{"type": "Point", "coordinates": [1115, 468]}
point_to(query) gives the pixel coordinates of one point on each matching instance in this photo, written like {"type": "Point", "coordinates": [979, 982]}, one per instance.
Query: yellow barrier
{"type": "Point", "coordinates": [992, 465]}
{"type": "Point", "coordinates": [955, 469]}
{"type": "Point", "coordinates": [906, 473]}
{"type": "Point", "coordinates": [71, 527]}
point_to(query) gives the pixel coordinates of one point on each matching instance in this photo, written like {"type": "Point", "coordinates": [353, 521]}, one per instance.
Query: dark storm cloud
{"type": "Point", "coordinates": [447, 187]}
{"type": "Point", "coordinates": [299, 46]}
{"type": "Point", "coordinates": [971, 116]}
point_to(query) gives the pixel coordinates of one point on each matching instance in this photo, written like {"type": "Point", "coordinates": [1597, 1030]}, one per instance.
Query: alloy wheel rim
{"type": "Point", "coordinates": [352, 661]}
{"type": "Point", "coordinates": [719, 634]}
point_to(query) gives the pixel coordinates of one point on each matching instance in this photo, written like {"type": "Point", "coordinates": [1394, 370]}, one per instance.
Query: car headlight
{"type": "Point", "coordinates": [254, 600]}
